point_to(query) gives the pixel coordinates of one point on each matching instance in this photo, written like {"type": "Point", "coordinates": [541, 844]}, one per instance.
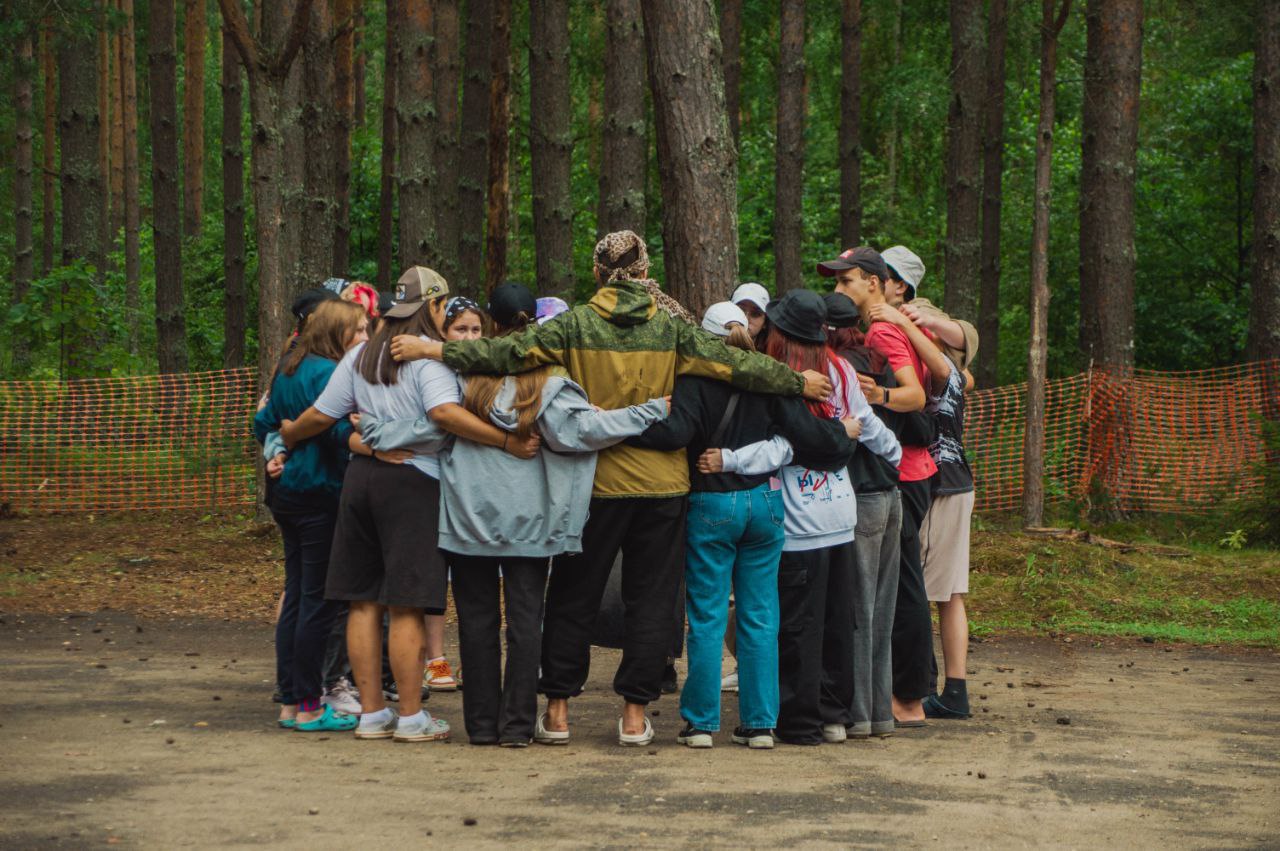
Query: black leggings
{"type": "Point", "coordinates": [912, 626]}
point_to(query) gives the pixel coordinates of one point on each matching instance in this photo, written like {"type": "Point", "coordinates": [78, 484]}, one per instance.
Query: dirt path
{"type": "Point", "coordinates": [159, 734]}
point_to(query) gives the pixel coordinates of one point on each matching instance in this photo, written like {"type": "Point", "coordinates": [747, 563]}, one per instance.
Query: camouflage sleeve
{"type": "Point", "coordinates": [537, 345]}
{"type": "Point", "coordinates": [701, 353]}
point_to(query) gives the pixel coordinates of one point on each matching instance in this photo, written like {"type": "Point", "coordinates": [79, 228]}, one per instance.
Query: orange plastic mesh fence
{"type": "Point", "coordinates": [1176, 442]}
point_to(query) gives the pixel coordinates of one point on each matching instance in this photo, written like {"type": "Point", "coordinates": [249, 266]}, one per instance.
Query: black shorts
{"type": "Point", "coordinates": [384, 546]}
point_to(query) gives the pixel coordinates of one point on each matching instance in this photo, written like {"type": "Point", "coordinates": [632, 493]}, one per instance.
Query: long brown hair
{"type": "Point", "coordinates": [328, 330]}
{"type": "Point", "coordinates": [375, 363]}
{"type": "Point", "coordinates": [482, 390]}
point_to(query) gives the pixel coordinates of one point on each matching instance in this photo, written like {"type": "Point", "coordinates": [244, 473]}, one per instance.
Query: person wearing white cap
{"type": "Point", "coordinates": [959, 338]}
{"type": "Point", "coordinates": [753, 298]}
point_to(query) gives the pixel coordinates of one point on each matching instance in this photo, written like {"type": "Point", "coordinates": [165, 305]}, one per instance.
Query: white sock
{"type": "Point", "coordinates": [419, 717]}
{"type": "Point", "coordinates": [369, 719]}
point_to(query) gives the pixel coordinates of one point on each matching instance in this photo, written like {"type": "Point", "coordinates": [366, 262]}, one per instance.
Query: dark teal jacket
{"type": "Point", "coordinates": [314, 471]}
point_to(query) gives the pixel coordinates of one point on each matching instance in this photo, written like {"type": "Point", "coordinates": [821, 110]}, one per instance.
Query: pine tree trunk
{"type": "Point", "coordinates": [964, 161]}
{"type": "Point", "coordinates": [358, 63]}
{"type": "Point", "coordinates": [103, 80]}
{"type": "Point", "coordinates": [473, 143]}
{"type": "Point", "coordinates": [498, 193]}
{"type": "Point", "coordinates": [986, 369]}
{"type": "Point", "coordinates": [697, 164]}
{"type": "Point", "coordinates": [789, 151]}
{"type": "Point", "coordinates": [278, 180]}
{"type": "Point", "coordinates": [551, 144]}
{"type": "Point", "coordinates": [320, 110]}
{"type": "Point", "coordinates": [1108, 172]}
{"type": "Point", "coordinates": [891, 143]}
{"type": "Point", "coordinates": [731, 42]}
{"type": "Point", "coordinates": [131, 203]}
{"type": "Point", "coordinates": [344, 95]}
{"type": "Point", "coordinates": [1038, 344]}
{"type": "Point", "coordinates": [387, 187]}
{"type": "Point", "coordinates": [48, 149]}
{"type": "Point", "coordinates": [850, 144]}
{"type": "Point", "coordinates": [1264, 314]}
{"type": "Point", "coordinates": [625, 149]}
{"type": "Point", "coordinates": [416, 128]}
{"type": "Point", "coordinates": [233, 259]}
{"type": "Point", "coordinates": [193, 38]}
{"type": "Point", "coordinates": [171, 343]}
{"type": "Point", "coordinates": [115, 97]}
{"type": "Point", "coordinates": [445, 70]}
{"type": "Point", "coordinates": [23, 169]}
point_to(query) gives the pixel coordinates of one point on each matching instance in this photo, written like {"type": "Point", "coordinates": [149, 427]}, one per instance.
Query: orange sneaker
{"type": "Point", "coordinates": [439, 676]}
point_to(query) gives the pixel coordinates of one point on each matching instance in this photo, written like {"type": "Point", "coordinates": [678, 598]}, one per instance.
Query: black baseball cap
{"type": "Point", "coordinates": [306, 303]}
{"type": "Point", "coordinates": [841, 311]}
{"type": "Point", "coordinates": [508, 300]}
{"type": "Point", "coordinates": [863, 257]}
{"type": "Point", "coordinates": [800, 314]}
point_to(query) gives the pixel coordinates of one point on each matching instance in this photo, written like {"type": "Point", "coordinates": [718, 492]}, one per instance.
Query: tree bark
{"type": "Point", "coordinates": [891, 143]}
{"type": "Point", "coordinates": [358, 66]}
{"type": "Point", "coordinates": [849, 147]}
{"type": "Point", "coordinates": [1038, 348]}
{"type": "Point", "coordinates": [274, 95]}
{"type": "Point", "coordinates": [789, 152]}
{"type": "Point", "coordinates": [445, 70]}
{"type": "Point", "coordinates": [344, 118]}
{"type": "Point", "coordinates": [1108, 171]}
{"type": "Point", "coordinates": [103, 80]}
{"type": "Point", "coordinates": [233, 256]}
{"type": "Point", "coordinates": [625, 148]}
{"type": "Point", "coordinates": [731, 44]}
{"type": "Point", "coordinates": [964, 161]}
{"type": "Point", "coordinates": [171, 343]}
{"type": "Point", "coordinates": [387, 187]}
{"type": "Point", "coordinates": [193, 39]}
{"type": "Point", "coordinates": [1264, 314]}
{"type": "Point", "coordinates": [48, 149]}
{"type": "Point", "coordinates": [24, 167]}
{"type": "Point", "coordinates": [551, 144]}
{"type": "Point", "coordinates": [987, 368]}
{"type": "Point", "coordinates": [473, 153]}
{"type": "Point", "coordinates": [115, 98]}
{"type": "Point", "coordinates": [498, 212]}
{"type": "Point", "coordinates": [416, 128]}
{"type": "Point", "coordinates": [131, 203]}
{"type": "Point", "coordinates": [697, 164]}
{"type": "Point", "coordinates": [320, 134]}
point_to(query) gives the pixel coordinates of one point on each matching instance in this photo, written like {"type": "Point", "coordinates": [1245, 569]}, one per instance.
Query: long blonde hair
{"type": "Point", "coordinates": [482, 390]}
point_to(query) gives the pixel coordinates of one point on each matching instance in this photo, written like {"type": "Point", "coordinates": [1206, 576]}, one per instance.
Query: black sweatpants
{"type": "Point", "coordinates": [815, 600]}
{"type": "Point", "coordinates": [496, 706]}
{"type": "Point", "coordinates": [912, 626]}
{"type": "Point", "coordinates": [650, 533]}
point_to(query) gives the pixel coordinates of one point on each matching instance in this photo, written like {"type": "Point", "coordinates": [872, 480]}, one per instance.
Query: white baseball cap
{"type": "Point", "coordinates": [904, 263]}
{"type": "Point", "coordinates": [721, 315]}
{"type": "Point", "coordinates": [752, 292]}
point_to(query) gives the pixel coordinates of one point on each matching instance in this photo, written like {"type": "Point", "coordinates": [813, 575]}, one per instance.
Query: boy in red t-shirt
{"type": "Point", "coordinates": [860, 274]}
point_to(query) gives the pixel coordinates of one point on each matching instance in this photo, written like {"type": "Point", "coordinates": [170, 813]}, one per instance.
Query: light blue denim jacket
{"type": "Point", "coordinates": [494, 504]}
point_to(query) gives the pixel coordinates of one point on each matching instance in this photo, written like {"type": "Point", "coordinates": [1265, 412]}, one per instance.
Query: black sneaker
{"type": "Point", "coordinates": [754, 739]}
{"type": "Point", "coordinates": [693, 737]}
{"type": "Point", "coordinates": [670, 679]}
{"type": "Point", "coordinates": [390, 691]}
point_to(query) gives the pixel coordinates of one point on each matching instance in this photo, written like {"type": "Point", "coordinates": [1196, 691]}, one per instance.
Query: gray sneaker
{"type": "Point", "coordinates": [385, 729]}
{"type": "Point", "coordinates": [343, 698]}
{"type": "Point", "coordinates": [421, 728]}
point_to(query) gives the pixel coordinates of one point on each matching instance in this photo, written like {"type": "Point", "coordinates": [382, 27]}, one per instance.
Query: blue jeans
{"type": "Point", "coordinates": [734, 542]}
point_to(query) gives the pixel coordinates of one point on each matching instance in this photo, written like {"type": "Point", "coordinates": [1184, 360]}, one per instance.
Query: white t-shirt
{"type": "Point", "coordinates": [422, 385]}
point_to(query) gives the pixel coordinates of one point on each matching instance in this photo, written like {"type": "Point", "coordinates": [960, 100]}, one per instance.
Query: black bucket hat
{"type": "Point", "coordinates": [800, 314]}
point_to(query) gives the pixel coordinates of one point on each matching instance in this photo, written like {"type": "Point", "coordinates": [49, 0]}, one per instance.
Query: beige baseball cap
{"type": "Point", "coordinates": [416, 287]}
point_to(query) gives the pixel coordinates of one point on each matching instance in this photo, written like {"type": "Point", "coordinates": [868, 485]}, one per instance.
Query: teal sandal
{"type": "Point", "coordinates": [329, 722]}
{"type": "Point", "coordinates": [286, 723]}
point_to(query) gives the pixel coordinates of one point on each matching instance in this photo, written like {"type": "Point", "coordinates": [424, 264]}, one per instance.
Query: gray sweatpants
{"type": "Point", "coordinates": [875, 589]}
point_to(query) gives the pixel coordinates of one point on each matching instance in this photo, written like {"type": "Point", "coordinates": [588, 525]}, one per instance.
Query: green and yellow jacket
{"type": "Point", "coordinates": [624, 351]}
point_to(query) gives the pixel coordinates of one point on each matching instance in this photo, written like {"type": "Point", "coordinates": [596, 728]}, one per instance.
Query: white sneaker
{"type": "Point", "coordinates": [344, 699]}
{"type": "Point", "coordinates": [543, 736]}
{"type": "Point", "coordinates": [382, 727]}
{"type": "Point", "coordinates": [421, 728]}
{"type": "Point", "coordinates": [834, 733]}
{"type": "Point", "coordinates": [730, 682]}
{"type": "Point", "coordinates": [635, 740]}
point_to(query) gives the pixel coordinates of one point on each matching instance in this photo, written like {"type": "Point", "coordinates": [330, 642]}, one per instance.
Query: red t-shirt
{"type": "Point", "coordinates": [892, 342]}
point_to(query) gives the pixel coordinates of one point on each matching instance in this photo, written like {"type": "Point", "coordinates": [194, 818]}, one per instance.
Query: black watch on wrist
{"type": "Point", "coordinates": [885, 403]}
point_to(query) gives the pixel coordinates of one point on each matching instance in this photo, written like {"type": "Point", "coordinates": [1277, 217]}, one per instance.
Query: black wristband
{"type": "Point", "coordinates": [886, 397]}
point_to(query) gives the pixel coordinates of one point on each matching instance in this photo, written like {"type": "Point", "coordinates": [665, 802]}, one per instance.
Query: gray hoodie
{"type": "Point", "coordinates": [494, 504]}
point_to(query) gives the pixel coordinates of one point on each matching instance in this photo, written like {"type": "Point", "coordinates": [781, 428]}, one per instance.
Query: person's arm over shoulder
{"type": "Point", "coordinates": [570, 423]}
{"type": "Point", "coordinates": [909, 395]}
{"type": "Point", "coordinates": [537, 345]}
{"type": "Point", "coordinates": [701, 353]}
{"type": "Point", "coordinates": [819, 444]}
{"type": "Point", "coordinates": [683, 423]}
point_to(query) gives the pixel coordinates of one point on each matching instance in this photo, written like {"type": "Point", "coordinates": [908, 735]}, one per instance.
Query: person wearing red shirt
{"type": "Point", "coordinates": [860, 274]}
